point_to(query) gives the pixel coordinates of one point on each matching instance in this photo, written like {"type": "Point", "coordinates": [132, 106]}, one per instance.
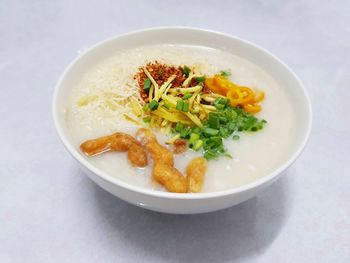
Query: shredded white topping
{"type": "Point", "coordinates": [106, 95]}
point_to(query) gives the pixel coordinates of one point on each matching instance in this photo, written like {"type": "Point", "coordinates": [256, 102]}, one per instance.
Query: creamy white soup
{"type": "Point", "coordinates": [98, 104]}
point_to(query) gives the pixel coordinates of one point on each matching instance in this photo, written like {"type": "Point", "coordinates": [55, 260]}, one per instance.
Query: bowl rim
{"type": "Point", "coordinates": [168, 195]}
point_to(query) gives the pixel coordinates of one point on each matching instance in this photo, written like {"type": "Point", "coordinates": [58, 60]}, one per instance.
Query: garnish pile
{"type": "Point", "coordinates": [199, 109]}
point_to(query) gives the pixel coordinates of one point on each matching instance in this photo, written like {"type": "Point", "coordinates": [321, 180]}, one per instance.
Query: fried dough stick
{"type": "Point", "coordinates": [164, 171]}
{"type": "Point", "coordinates": [195, 174]}
{"type": "Point", "coordinates": [118, 142]}
{"type": "Point", "coordinates": [158, 152]}
{"type": "Point", "coordinates": [169, 177]}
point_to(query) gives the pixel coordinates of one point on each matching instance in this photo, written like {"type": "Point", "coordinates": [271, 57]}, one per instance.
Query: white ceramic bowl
{"type": "Point", "coordinates": [173, 202]}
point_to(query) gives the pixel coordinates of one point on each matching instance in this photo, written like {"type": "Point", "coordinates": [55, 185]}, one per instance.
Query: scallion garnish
{"type": "Point", "coordinates": [224, 122]}
{"type": "Point", "coordinates": [179, 105]}
{"type": "Point", "coordinates": [146, 119]}
{"type": "Point", "coordinates": [179, 126]}
{"type": "Point", "coordinates": [225, 73]}
{"type": "Point", "coordinates": [200, 79]}
{"type": "Point", "coordinates": [153, 105]}
{"type": "Point", "coordinates": [185, 106]}
{"type": "Point", "coordinates": [187, 96]}
{"type": "Point", "coordinates": [235, 137]}
{"type": "Point", "coordinates": [213, 120]}
{"type": "Point", "coordinates": [166, 105]}
{"type": "Point", "coordinates": [145, 107]}
{"type": "Point", "coordinates": [185, 133]}
{"type": "Point", "coordinates": [210, 155]}
{"type": "Point", "coordinates": [197, 145]}
{"type": "Point", "coordinates": [210, 131]}
{"type": "Point", "coordinates": [194, 137]}
{"type": "Point", "coordinates": [147, 85]}
{"type": "Point", "coordinates": [182, 105]}
{"type": "Point", "coordinates": [186, 71]}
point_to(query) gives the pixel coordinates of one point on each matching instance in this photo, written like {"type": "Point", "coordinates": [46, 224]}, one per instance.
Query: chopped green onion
{"type": "Point", "coordinates": [186, 71]}
{"type": "Point", "coordinates": [220, 106]}
{"type": "Point", "coordinates": [214, 141]}
{"type": "Point", "coordinates": [225, 73]}
{"type": "Point", "coordinates": [146, 119]}
{"type": "Point", "coordinates": [210, 131]}
{"type": "Point", "coordinates": [166, 105]}
{"type": "Point", "coordinates": [196, 130]}
{"type": "Point", "coordinates": [147, 84]}
{"type": "Point", "coordinates": [153, 105]}
{"type": "Point", "coordinates": [226, 121]}
{"type": "Point", "coordinates": [228, 155]}
{"type": "Point", "coordinates": [185, 106]}
{"type": "Point", "coordinates": [179, 105]}
{"type": "Point", "coordinates": [184, 133]}
{"type": "Point", "coordinates": [224, 132]}
{"type": "Point", "coordinates": [182, 105]}
{"type": "Point", "coordinates": [235, 137]}
{"type": "Point", "coordinates": [213, 121]}
{"type": "Point", "coordinates": [200, 79]}
{"type": "Point", "coordinates": [223, 120]}
{"type": "Point", "coordinates": [194, 137]}
{"type": "Point", "coordinates": [179, 126]}
{"type": "Point", "coordinates": [197, 145]}
{"type": "Point", "coordinates": [187, 96]}
{"type": "Point", "coordinates": [221, 103]}
{"type": "Point", "coordinates": [146, 107]}
{"type": "Point", "coordinates": [209, 155]}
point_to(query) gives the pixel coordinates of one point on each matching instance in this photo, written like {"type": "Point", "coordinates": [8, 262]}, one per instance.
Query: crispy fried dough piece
{"type": "Point", "coordinates": [158, 152]}
{"type": "Point", "coordinates": [118, 141]}
{"type": "Point", "coordinates": [164, 171]}
{"type": "Point", "coordinates": [195, 174]}
{"type": "Point", "coordinates": [169, 177]}
{"type": "Point", "coordinates": [180, 146]}
{"type": "Point", "coordinates": [96, 146]}
{"type": "Point", "coordinates": [145, 136]}
{"type": "Point", "coordinates": [137, 155]}
{"type": "Point", "coordinates": [122, 142]}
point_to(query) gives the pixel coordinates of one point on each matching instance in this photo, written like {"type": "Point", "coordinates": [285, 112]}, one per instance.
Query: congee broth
{"type": "Point", "coordinates": [181, 118]}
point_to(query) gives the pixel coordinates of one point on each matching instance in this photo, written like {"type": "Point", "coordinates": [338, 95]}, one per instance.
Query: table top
{"type": "Point", "coordinates": [51, 212]}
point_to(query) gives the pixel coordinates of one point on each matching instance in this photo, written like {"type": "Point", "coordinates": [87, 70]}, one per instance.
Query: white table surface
{"type": "Point", "coordinates": [51, 212]}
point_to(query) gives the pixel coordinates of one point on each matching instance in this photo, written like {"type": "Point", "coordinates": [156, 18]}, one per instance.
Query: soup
{"type": "Point", "coordinates": [103, 103]}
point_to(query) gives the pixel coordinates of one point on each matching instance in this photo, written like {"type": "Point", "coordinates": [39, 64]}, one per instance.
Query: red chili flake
{"type": "Point", "coordinates": [160, 73]}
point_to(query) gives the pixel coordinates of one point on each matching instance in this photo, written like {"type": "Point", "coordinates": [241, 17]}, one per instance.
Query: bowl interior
{"type": "Point", "coordinates": [274, 67]}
